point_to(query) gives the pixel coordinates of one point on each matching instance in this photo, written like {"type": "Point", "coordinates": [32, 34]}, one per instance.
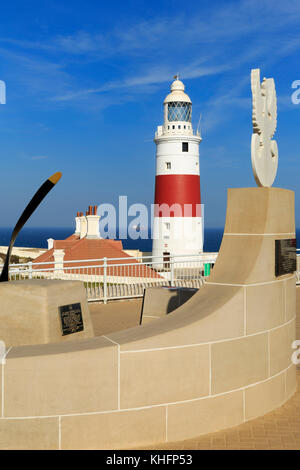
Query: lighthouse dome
{"type": "Point", "coordinates": [177, 85]}
{"type": "Point", "coordinates": [177, 93]}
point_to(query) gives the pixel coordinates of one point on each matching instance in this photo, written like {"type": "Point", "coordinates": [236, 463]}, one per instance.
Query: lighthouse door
{"type": "Point", "coordinates": [166, 258]}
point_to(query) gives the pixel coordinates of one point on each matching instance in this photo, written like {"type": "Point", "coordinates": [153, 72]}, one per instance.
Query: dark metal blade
{"type": "Point", "coordinates": [29, 210]}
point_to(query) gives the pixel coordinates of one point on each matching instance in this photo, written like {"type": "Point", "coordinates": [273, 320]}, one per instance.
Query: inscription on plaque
{"type": "Point", "coordinates": [285, 256]}
{"type": "Point", "coordinates": [71, 319]}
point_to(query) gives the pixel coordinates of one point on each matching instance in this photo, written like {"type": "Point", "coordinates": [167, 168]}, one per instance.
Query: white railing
{"type": "Point", "coordinates": [298, 267]}
{"type": "Point", "coordinates": [116, 278]}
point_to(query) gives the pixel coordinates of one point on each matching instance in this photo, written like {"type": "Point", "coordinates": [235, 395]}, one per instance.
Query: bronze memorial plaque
{"type": "Point", "coordinates": [285, 256]}
{"type": "Point", "coordinates": [71, 319]}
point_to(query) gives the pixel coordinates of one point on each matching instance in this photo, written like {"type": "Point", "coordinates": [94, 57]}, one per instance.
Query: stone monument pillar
{"type": "Point", "coordinates": [43, 311]}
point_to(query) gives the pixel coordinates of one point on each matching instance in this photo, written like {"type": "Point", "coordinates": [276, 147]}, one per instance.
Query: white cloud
{"type": "Point", "coordinates": [154, 76]}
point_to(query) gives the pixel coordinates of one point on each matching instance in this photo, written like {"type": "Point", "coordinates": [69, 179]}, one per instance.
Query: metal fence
{"type": "Point", "coordinates": [121, 278]}
{"type": "Point", "coordinates": [298, 267]}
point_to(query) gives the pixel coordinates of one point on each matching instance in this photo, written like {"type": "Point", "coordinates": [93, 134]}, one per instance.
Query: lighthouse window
{"type": "Point", "coordinates": [168, 165]}
{"type": "Point", "coordinates": [185, 146]}
{"type": "Point", "coordinates": [179, 111]}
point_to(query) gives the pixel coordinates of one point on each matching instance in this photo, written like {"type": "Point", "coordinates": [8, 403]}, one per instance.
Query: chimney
{"type": "Point", "coordinates": [59, 261]}
{"type": "Point", "coordinates": [92, 223]}
{"type": "Point", "coordinates": [77, 224]}
{"type": "Point", "coordinates": [83, 225]}
{"type": "Point", "coordinates": [50, 243]}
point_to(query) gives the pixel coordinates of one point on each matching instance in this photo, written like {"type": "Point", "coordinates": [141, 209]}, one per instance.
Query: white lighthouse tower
{"type": "Point", "coordinates": [177, 224]}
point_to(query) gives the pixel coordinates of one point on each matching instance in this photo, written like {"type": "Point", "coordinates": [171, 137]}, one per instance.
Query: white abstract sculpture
{"type": "Point", "coordinates": [264, 151]}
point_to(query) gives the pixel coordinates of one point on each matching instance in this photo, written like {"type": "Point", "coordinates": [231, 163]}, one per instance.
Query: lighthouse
{"type": "Point", "coordinates": [177, 222]}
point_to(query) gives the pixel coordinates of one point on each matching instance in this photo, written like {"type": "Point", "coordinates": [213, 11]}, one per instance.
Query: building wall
{"type": "Point", "coordinates": [178, 187]}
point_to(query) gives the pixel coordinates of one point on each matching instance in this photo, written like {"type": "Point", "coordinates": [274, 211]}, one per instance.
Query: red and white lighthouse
{"type": "Point", "coordinates": [177, 224]}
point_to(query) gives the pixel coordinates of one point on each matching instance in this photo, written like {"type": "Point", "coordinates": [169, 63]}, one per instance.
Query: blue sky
{"type": "Point", "coordinates": [85, 84]}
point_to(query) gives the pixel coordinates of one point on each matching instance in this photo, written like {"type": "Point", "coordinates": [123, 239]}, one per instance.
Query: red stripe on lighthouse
{"type": "Point", "coordinates": [180, 190]}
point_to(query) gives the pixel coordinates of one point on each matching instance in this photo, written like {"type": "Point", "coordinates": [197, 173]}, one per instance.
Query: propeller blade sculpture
{"type": "Point", "coordinates": [29, 210]}
{"type": "Point", "coordinates": [264, 151]}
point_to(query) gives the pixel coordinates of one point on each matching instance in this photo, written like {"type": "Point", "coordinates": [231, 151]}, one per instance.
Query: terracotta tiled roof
{"type": "Point", "coordinates": [63, 244]}
{"type": "Point", "coordinates": [90, 249]}
{"type": "Point", "coordinates": [72, 237]}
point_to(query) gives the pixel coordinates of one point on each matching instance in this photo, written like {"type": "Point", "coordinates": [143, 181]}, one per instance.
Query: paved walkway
{"type": "Point", "coordinates": [279, 429]}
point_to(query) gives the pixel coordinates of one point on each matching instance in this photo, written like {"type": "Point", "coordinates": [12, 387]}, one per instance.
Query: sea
{"type": "Point", "coordinates": [36, 237]}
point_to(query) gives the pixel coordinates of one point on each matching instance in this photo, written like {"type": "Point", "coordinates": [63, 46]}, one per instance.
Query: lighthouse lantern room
{"type": "Point", "coordinates": [177, 223]}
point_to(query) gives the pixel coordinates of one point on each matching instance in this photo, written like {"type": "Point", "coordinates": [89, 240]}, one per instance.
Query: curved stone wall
{"type": "Point", "coordinates": [222, 358]}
